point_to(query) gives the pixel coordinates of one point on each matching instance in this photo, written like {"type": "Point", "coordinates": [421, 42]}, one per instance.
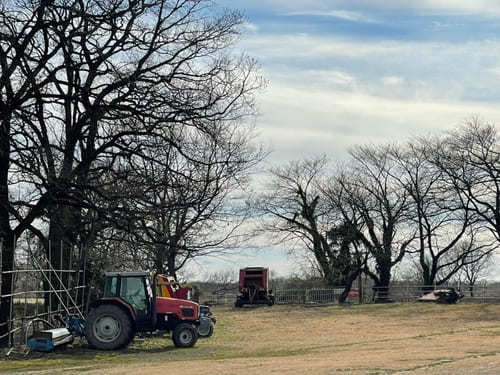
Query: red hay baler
{"type": "Point", "coordinates": [254, 287]}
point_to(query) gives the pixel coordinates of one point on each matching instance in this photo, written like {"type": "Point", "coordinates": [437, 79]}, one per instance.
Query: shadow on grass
{"type": "Point", "coordinates": [81, 355]}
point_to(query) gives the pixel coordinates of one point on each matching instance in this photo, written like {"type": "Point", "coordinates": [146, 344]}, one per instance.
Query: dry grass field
{"type": "Point", "coordinates": [409, 338]}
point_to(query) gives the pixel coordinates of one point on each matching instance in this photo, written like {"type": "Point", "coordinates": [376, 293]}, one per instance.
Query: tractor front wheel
{"type": "Point", "coordinates": [210, 331]}
{"type": "Point", "coordinates": [108, 327]}
{"type": "Point", "coordinates": [185, 335]}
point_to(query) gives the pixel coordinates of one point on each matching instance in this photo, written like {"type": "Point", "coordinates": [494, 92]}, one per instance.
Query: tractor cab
{"type": "Point", "coordinates": [134, 288]}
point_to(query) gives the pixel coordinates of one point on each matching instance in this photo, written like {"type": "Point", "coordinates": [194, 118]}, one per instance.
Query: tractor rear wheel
{"type": "Point", "coordinates": [185, 335]}
{"type": "Point", "coordinates": [108, 327]}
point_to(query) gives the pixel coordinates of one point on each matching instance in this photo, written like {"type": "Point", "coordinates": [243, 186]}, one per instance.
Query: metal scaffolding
{"type": "Point", "coordinates": [35, 285]}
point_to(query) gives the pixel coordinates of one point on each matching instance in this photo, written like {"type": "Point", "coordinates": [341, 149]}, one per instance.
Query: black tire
{"type": "Point", "coordinates": [108, 327]}
{"type": "Point", "coordinates": [185, 335]}
{"type": "Point", "coordinates": [209, 333]}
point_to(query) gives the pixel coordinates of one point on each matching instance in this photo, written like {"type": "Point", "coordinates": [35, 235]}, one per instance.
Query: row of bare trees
{"type": "Point", "coordinates": [123, 129]}
{"type": "Point", "coordinates": [433, 202]}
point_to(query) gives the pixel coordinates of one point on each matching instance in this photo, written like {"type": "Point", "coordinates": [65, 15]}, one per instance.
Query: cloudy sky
{"type": "Point", "coordinates": [346, 72]}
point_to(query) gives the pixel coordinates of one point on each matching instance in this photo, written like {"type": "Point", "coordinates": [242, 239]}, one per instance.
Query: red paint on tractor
{"type": "Point", "coordinates": [179, 307]}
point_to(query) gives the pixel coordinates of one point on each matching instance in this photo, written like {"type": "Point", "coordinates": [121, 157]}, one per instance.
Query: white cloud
{"type": "Point", "coordinates": [326, 47]}
{"type": "Point", "coordinates": [309, 46]}
{"type": "Point", "coordinates": [478, 7]}
{"type": "Point", "coordinates": [432, 70]}
{"type": "Point", "coordinates": [329, 93]}
{"type": "Point", "coordinates": [340, 14]}
{"type": "Point", "coordinates": [250, 27]}
{"type": "Point", "coordinates": [300, 121]}
{"type": "Point", "coordinates": [495, 71]}
{"type": "Point", "coordinates": [337, 78]}
{"type": "Point", "coordinates": [392, 80]}
{"type": "Point", "coordinates": [485, 7]}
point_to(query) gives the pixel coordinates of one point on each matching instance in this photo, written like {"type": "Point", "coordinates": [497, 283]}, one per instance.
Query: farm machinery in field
{"type": "Point", "coordinates": [254, 287]}
{"type": "Point", "coordinates": [444, 295]}
{"type": "Point", "coordinates": [130, 305]}
{"type": "Point", "coordinates": [167, 286]}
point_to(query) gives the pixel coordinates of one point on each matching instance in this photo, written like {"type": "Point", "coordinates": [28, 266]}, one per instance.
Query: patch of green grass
{"type": "Point", "coordinates": [149, 349]}
{"type": "Point", "coordinates": [231, 334]}
{"type": "Point", "coordinates": [72, 357]}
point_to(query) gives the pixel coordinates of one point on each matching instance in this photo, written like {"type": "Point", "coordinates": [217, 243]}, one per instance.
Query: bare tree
{"type": "Point", "coordinates": [476, 265]}
{"type": "Point", "coordinates": [223, 281]}
{"type": "Point", "coordinates": [368, 191]}
{"type": "Point", "coordinates": [295, 210]}
{"type": "Point", "coordinates": [440, 214]}
{"type": "Point", "coordinates": [470, 158]}
{"type": "Point", "coordinates": [24, 52]}
{"type": "Point", "coordinates": [84, 81]}
{"type": "Point", "coordinates": [187, 207]}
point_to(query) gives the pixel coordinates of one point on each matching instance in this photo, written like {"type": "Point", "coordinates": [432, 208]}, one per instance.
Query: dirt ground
{"type": "Point", "coordinates": [407, 338]}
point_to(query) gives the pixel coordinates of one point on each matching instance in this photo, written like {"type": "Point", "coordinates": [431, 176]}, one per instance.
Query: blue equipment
{"type": "Point", "coordinates": [48, 339]}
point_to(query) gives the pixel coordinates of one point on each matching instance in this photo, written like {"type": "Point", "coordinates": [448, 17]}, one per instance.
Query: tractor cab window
{"type": "Point", "coordinates": [110, 287]}
{"type": "Point", "coordinates": [133, 291]}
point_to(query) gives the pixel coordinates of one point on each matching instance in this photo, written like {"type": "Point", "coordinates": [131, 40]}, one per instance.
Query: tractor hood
{"type": "Point", "coordinates": [186, 310]}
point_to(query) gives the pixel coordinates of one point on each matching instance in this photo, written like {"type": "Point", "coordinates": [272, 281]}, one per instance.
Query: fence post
{"type": "Point", "coordinates": [36, 286]}
{"type": "Point", "coordinates": [49, 261]}
{"type": "Point", "coordinates": [1, 274]}
{"type": "Point", "coordinates": [26, 288]}
{"type": "Point", "coordinates": [79, 262]}
{"type": "Point", "coordinates": [9, 327]}
{"type": "Point", "coordinates": [1, 270]}
{"type": "Point", "coordinates": [84, 304]}
{"type": "Point", "coordinates": [61, 282]}
{"type": "Point", "coordinates": [70, 277]}
{"type": "Point", "coordinates": [485, 291]}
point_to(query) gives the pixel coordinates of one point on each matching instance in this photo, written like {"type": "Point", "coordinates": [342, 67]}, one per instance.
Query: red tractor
{"type": "Point", "coordinates": [130, 305]}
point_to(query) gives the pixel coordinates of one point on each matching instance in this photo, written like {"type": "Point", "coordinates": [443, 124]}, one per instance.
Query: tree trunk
{"type": "Point", "coordinates": [160, 259]}
{"type": "Point", "coordinates": [171, 270]}
{"type": "Point", "coordinates": [383, 281]}
{"type": "Point", "coordinates": [63, 234]}
{"type": "Point", "coordinates": [345, 292]}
